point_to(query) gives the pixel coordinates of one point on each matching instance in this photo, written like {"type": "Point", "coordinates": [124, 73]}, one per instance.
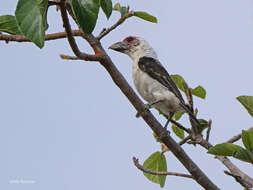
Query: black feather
{"type": "Point", "coordinates": [156, 71]}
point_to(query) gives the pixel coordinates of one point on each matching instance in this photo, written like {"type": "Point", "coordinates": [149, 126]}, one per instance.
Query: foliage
{"type": "Point", "coordinates": [156, 162]}
{"type": "Point", "coordinates": [9, 25]}
{"type": "Point", "coordinates": [31, 20]}
{"type": "Point", "coordinates": [145, 16]}
{"type": "Point", "coordinates": [180, 82]}
{"type": "Point", "coordinates": [106, 6]}
{"type": "Point", "coordinates": [199, 91]}
{"type": "Point", "coordinates": [31, 17]}
{"type": "Point", "coordinates": [238, 152]}
{"type": "Point", "coordinates": [247, 102]}
{"type": "Point", "coordinates": [86, 13]}
{"type": "Point", "coordinates": [179, 132]}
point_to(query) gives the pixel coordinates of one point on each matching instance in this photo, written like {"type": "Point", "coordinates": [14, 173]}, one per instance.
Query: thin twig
{"type": "Point", "coordinates": [165, 148]}
{"type": "Point", "coordinates": [185, 140]}
{"type": "Point", "coordinates": [189, 98]}
{"type": "Point", "coordinates": [196, 112]}
{"type": "Point", "coordinates": [52, 3]}
{"type": "Point", "coordinates": [72, 42]}
{"type": "Point", "coordinates": [68, 57]}
{"type": "Point", "coordinates": [200, 177]}
{"type": "Point", "coordinates": [119, 22]}
{"type": "Point", "coordinates": [208, 130]}
{"type": "Point", "coordinates": [94, 42]}
{"type": "Point", "coordinates": [191, 106]}
{"type": "Point", "coordinates": [238, 179]}
{"type": "Point", "coordinates": [237, 137]}
{"type": "Point", "coordinates": [53, 36]}
{"type": "Point", "coordinates": [140, 167]}
{"type": "Point", "coordinates": [244, 178]}
{"type": "Point", "coordinates": [180, 126]}
{"type": "Point", "coordinates": [70, 11]}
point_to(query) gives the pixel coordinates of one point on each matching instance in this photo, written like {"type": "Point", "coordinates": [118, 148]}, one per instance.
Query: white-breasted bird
{"type": "Point", "coordinates": [151, 79]}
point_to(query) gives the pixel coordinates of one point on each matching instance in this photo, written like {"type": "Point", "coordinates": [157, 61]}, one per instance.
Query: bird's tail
{"type": "Point", "coordinates": [194, 121]}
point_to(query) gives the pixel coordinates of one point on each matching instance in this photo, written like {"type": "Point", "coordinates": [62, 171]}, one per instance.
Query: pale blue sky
{"type": "Point", "coordinates": [66, 126]}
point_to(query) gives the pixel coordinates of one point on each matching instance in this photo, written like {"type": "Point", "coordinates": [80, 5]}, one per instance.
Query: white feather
{"type": "Point", "coordinates": [150, 89]}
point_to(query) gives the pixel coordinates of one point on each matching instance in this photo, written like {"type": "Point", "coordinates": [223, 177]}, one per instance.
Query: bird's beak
{"type": "Point", "coordinates": [119, 46]}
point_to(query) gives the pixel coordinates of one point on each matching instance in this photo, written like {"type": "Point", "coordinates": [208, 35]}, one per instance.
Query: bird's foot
{"type": "Point", "coordinates": [163, 135]}
{"type": "Point", "coordinates": [168, 120]}
{"type": "Point", "coordinates": [147, 107]}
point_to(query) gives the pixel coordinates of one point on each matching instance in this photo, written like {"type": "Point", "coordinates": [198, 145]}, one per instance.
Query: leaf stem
{"type": "Point", "coordinates": [140, 167]}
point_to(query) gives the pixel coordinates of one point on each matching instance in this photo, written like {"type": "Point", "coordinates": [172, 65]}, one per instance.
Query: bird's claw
{"type": "Point", "coordinates": [164, 134]}
{"type": "Point", "coordinates": [146, 107]}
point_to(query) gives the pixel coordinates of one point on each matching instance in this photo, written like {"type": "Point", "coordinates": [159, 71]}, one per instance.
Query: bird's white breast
{"type": "Point", "coordinates": [151, 90]}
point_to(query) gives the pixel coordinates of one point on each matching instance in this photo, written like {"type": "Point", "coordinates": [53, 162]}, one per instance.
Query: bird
{"type": "Point", "coordinates": [151, 79]}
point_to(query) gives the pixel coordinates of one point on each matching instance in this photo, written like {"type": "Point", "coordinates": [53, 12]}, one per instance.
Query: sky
{"type": "Point", "coordinates": [65, 125]}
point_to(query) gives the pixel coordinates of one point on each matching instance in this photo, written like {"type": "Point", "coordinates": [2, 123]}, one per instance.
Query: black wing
{"type": "Point", "coordinates": [155, 70]}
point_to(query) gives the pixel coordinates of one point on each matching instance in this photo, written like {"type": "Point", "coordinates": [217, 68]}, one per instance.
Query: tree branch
{"type": "Point", "coordinates": [94, 42]}
{"type": "Point", "coordinates": [237, 137]}
{"type": "Point", "coordinates": [189, 98]}
{"type": "Point", "coordinates": [208, 130]}
{"type": "Point", "coordinates": [140, 167]}
{"type": "Point", "coordinates": [121, 82]}
{"type": "Point", "coordinates": [185, 140]}
{"type": "Point", "coordinates": [156, 127]}
{"type": "Point", "coordinates": [71, 39]}
{"type": "Point", "coordinates": [68, 57]}
{"type": "Point", "coordinates": [190, 101]}
{"type": "Point", "coordinates": [119, 22]}
{"type": "Point", "coordinates": [52, 3]}
{"type": "Point", "coordinates": [237, 178]}
{"type": "Point", "coordinates": [246, 180]}
{"type": "Point", "coordinates": [165, 148]}
{"type": "Point", "coordinates": [48, 37]}
{"type": "Point", "coordinates": [180, 126]}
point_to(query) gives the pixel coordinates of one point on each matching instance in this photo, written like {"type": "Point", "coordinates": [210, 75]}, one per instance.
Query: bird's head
{"type": "Point", "coordinates": [133, 46]}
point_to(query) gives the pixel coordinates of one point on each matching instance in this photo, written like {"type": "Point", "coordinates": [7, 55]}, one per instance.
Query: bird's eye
{"type": "Point", "coordinates": [129, 39]}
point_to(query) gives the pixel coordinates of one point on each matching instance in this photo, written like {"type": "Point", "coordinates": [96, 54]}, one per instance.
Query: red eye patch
{"type": "Point", "coordinates": [129, 39]}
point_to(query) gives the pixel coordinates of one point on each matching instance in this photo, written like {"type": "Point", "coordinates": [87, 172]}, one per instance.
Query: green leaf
{"type": "Point", "coordinates": [123, 10]}
{"type": "Point", "coordinates": [180, 82]}
{"type": "Point", "coordinates": [106, 6]}
{"type": "Point", "coordinates": [156, 162]}
{"type": "Point", "coordinates": [9, 25]}
{"type": "Point", "coordinates": [247, 139]}
{"type": "Point", "coordinates": [178, 115]}
{"type": "Point", "coordinates": [179, 132]}
{"type": "Point", "coordinates": [86, 12]}
{"type": "Point", "coordinates": [247, 102]}
{"type": "Point", "coordinates": [224, 149]}
{"type": "Point", "coordinates": [117, 7]}
{"type": "Point", "coordinates": [244, 155]}
{"type": "Point", "coordinates": [145, 16]}
{"type": "Point", "coordinates": [31, 19]}
{"type": "Point", "coordinates": [203, 125]}
{"type": "Point", "coordinates": [200, 92]}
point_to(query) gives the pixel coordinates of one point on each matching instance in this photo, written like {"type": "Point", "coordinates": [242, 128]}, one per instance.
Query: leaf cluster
{"type": "Point", "coordinates": [31, 17]}
{"type": "Point", "coordinates": [156, 162]}
{"type": "Point", "coordinates": [199, 92]}
{"type": "Point", "coordinates": [228, 149]}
